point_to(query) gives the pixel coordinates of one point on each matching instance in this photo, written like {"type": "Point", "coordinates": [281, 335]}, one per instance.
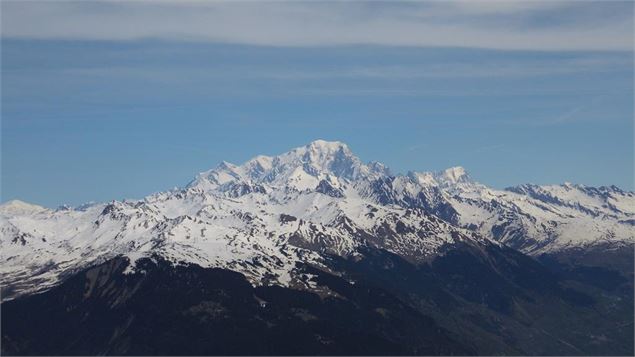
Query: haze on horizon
{"type": "Point", "coordinates": [112, 100]}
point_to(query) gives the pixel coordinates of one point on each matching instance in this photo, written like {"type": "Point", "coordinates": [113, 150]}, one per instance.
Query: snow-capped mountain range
{"type": "Point", "coordinates": [262, 217]}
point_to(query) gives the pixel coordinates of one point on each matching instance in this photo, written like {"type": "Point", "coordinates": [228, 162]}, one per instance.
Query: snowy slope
{"type": "Point", "coordinates": [262, 217]}
{"type": "Point", "coordinates": [536, 219]}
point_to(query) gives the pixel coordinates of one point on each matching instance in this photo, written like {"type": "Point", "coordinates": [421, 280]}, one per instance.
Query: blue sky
{"type": "Point", "coordinates": [109, 100]}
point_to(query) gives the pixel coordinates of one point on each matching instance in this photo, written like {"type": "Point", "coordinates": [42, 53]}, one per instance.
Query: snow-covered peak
{"type": "Point", "coordinates": [319, 154]}
{"type": "Point", "coordinates": [327, 146]}
{"type": "Point", "coordinates": [300, 168]}
{"type": "Point", "coordinates": [454, 175]}
{"type": "Point", "coordinates": [18, 208]}
{"type": "Point", "coordinates": [330, 158]}
{"type": "Point", "coordinates": [447, 178]}
{"type": "Point", "coordinates": [259, 164]}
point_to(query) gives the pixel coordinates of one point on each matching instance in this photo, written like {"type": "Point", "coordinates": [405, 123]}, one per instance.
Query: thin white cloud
{"type": "Point", "coordinates": [354, 71]}
{"type": "Point", "coordinates": [574, 114]}
{"type": "Point", "coordinates": [537, 25]}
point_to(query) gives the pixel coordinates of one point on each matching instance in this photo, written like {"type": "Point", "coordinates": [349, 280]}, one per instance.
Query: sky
{"type": "Point", "coordinates": [114, 100]}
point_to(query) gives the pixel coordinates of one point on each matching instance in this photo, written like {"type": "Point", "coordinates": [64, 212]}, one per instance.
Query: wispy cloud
{"type": "Point", "coordinates": [535, 25]}
{"type": "Point", "coordinates": [575, 113]}
{"type": "Point", "coordinates": [454, 68]}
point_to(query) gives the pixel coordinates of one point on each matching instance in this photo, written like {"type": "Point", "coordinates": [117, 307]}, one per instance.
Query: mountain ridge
{"type": "Point", "coordinates": [263, 216]}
